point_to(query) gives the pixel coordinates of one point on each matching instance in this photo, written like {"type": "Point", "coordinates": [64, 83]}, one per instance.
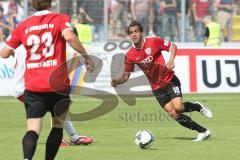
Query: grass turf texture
{"type": "Point", "coordinates": [114, 132]}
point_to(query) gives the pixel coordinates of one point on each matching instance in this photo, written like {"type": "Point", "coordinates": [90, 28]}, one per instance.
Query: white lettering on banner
{"type": "Point", "coordinates": [6, 76]}
{"type": "Point", "coordinates": [218, 74]}
{"type": "Point", "coordinates": [48, 63]}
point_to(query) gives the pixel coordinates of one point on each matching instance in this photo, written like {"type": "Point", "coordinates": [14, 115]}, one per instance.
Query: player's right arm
{"type": "Point", "coordinates": [6, 52]}
{"type": "Point", "coordinates": [129, 67]}
{"type": "Point", "coordinates": [11, 43]}
{"type": "Point", "coordinates": [122, 79]}
{"type": "Point", "coordinates": [74, 42]}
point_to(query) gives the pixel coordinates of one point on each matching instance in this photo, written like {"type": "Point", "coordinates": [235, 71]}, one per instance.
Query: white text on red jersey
{"type": "Point", "coordinates": [39, 27]}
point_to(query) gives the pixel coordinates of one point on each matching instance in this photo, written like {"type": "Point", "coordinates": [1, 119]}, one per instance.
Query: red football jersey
{"type": "Point", "coordinates": [41, 35]}
{"type": "Point", "coordinates": [150, 61]}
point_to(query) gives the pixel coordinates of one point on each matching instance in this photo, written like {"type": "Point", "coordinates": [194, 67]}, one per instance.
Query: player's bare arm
{"type": "Point", "coordinates": [124, 77]}
{"type": "Point", "coordinates": [170, 63]}
{"type": "Point", "coordinates": [6, 52]}
{"type": "Point", "coordinates": [74, 42]}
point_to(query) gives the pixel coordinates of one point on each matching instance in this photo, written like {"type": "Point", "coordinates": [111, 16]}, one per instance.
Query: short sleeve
{"type": "Point", "coordinates": [164, 45]}
{"type": "Point", "coordinates": [13, 40]}
{"type": "Point", "coordinates": [65, 23]}
{"type": "Point", "coordinates": [129, 66]}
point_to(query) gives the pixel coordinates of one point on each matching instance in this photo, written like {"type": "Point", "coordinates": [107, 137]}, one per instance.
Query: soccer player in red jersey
{"type": "Point", "coordinates": [166, 87]}
{"type": "Point", "coordinates": [44, 36]}
{"type": "Point", "coordinates": [19, 87]}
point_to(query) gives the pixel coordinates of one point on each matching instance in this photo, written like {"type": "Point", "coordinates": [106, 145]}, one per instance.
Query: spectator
{"type": "Point", "coordinates": [237, 3]}
{"type": "Point", "coordinates": [212, 32]}
{"type": "Point", "coordinates": [157, 17]}
{"type": "Point", "coordinates": [118, 17]}
{"type": "Point", "coordinates": [83, 30]}
{"type": "Point", "coordinates": [93, 9]}
{"type": "Point", "coordinates": [13, 11]}
{"type": "Point", "coordinates": [212, 9]}
{"type": "Point", "coordinates": [200, 10]}
{"type": "Point", "coordinates": [5, 25]}
{"type": "Point", "coordinates": [187, 17]}
{"type": "Point", "coordinates": [140, 10]}
{"type": "Point", "coordinates": [224, 17]}
{"type": "Point", "coordinates": [66, 7]}
{"type": "Point", "coordinates": [169, 19]}
{"type": "Point", "coordinates": [151, 18]}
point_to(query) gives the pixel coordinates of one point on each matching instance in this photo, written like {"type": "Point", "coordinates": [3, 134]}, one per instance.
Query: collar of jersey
{"type": "Point", "coordinates": [143, 44]}
{"type": "Point", "coordinates": [43, 12]}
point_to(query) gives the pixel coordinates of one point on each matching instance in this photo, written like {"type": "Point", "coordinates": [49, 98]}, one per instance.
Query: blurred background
{"type": "Point", "coordinates": [102, 20]}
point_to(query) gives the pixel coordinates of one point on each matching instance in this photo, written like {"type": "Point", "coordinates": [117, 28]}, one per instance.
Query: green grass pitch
{"type": "Point", "coordinates": [114, 132]}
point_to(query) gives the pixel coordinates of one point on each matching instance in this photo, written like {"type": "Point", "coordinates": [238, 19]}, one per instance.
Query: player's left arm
{"type": "Point", "coordinates": [74, 42]}
{"type": "Point", "coordinates": [173, 51]}
{"type": "Point", "coordinates": [6, 52]}
{"type": "Point", "coordinates": [72, 39]}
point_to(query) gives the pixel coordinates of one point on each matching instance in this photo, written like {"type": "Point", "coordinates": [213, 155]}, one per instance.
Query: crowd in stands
{"type": "Point", "coordinates": [159, 17]}
{"type": "Point", "coordinates": [11, 13]}
{"type": "Point", "coordinates": [163, 17]}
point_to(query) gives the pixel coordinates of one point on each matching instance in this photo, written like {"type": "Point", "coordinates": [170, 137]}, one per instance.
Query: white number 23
{"type": "Point", "coordinates": [35, 41]}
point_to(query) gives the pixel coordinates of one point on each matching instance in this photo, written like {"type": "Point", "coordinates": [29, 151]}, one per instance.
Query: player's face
{"type": "Point", "coordinates": [135, 34]}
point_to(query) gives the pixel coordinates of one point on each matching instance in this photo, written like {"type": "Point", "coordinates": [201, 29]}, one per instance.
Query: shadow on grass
{"type": "Point", "coordinates": [154, 149]}
{"type": "Point", "coordinates": [187, 138]}
{"type": "Point", "coordinates": [184, 138]}
{"type": "Point", "coordinates": [179, 138]}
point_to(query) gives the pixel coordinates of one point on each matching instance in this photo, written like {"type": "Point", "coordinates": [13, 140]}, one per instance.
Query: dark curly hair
{"type": "Point", "coordinates": [40, 5]}
{"type": "Point", "coordinates": [133, 24]}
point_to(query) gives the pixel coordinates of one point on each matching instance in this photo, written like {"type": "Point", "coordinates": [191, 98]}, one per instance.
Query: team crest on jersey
{"type": "Point", "coordinates": [148, 51]}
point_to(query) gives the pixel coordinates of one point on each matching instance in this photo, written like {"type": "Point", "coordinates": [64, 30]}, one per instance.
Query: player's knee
{"type": "Point", "coordinates": [34, 124]}
{"type": "Point", "coordinates": [172, 113]}
{"type": "Point", "coordinates": [179, 109]}
{"type": "Point", "coordinates": [57, 123]}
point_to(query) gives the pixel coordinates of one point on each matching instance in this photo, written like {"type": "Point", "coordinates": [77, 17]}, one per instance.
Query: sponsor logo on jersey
{"type": "Point", "coordinates": [147, 60]}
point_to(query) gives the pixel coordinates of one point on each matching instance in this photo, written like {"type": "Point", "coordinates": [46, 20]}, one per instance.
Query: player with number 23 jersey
{"type": "Point", "coordinates": [42, 38]}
